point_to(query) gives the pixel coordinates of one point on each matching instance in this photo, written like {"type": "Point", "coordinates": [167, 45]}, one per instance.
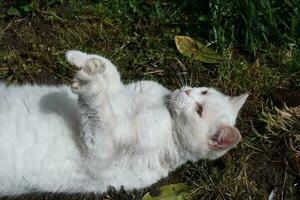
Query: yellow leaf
{"type": "Point", "coordinates": [195, 50]}
{"type": "Point", "coordinates": [179, 191]}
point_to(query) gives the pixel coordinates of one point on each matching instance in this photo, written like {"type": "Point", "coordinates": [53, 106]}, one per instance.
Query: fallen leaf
{"type": "Point", "coordinates": [195, 50]}
{"type": "Point", "coordinates": [179, 191]}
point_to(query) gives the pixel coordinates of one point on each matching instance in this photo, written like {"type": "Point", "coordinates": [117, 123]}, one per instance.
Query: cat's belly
{"type": "Point", "coordinates": [150, 123]}
{"type": "Point", "coordinates": [38, 130]}
{"type": "Point", "coordinates": [133, 172]}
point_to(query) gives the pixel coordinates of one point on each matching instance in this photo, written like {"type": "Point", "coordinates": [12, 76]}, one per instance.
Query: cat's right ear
{"type": "Point", "coordinates": [237, 103]}
{"type": "Point", "coordinates": [76, 58]}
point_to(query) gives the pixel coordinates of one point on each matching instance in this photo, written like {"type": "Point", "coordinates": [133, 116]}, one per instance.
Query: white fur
{"type": "Point", "coordinates": [105, 133]}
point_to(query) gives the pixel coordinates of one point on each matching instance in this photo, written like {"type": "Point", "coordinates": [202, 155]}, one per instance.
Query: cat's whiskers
{"type": "Point", "coordinates": [175, 104]}
{"type": "Point", "coordinates": [181, 101]}
{"type": "Point", "coordinates": [184, 73]}
{"type": "Point", "coordinates": [180, 79]}
{"type": "Point", "coordinates": [177, 76]}
{"type": "Point", "coordinates": [185, 78]}
{"type": "Point", "coordinates": [171, 101]}
{"type": "Point", "coordinates": [191, 78]}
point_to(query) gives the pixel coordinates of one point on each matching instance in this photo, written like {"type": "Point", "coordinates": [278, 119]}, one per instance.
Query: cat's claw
{"type": "Point", "coordinates": [92, 67]}
{"type": "Point", "coordinates": [95, 65]}
{"type": "Point", "coordinates": [75, 87]}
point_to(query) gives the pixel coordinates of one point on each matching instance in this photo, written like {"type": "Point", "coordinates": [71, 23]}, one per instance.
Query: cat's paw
{"type": "Point", "coordinates": [92, 66]}
{"type": "Point", "coordinates": [86, 74]}
{"type": "Point", "coordinates": [76, 58]}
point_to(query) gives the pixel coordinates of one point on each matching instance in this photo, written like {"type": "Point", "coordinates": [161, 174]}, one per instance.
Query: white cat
{"type": "Point", "coordinates": [105, 133]}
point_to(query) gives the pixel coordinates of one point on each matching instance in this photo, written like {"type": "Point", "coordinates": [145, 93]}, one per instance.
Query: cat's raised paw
{"type": "Point", "coordinates": [86, 74]}
{"type": "Point", "coordinates": [94, 65]}
{"type": "Point", "coordinates": [76, 58]}
{"type": "Point", "coordinates": [91, 68]}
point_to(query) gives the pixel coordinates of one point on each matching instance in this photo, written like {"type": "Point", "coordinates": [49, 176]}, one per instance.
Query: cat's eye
{"type": "Point", "coordinates": [199, 109]}
{"type": "Point", "coordinates": [204, 92]}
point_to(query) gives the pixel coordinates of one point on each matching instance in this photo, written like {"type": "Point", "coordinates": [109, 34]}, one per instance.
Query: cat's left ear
{"type": "Point", "coordinates": [237, 103]}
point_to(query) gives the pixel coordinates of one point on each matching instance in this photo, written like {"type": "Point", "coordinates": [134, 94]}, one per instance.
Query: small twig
{"type": "Point", "coordinates": [256, 133]}
{"type": "Point", "coordinates": [6, 28]}
{"type": "Point", "coordinates": [154, 72]}
{"type": "Point", "coordinates": [284, 182]}
{"type": "Point", "coordinates": [87, 17]}
{"type": "Point", "coordinates": [4, 68]}
{"type": "Point", "coordinates": [248, 145]}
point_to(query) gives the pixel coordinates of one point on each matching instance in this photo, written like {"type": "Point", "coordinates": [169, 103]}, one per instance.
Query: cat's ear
{"type": "Point", "coordinates": [224, 137]}
{"type": "Point", "coordinates": [237, 103]}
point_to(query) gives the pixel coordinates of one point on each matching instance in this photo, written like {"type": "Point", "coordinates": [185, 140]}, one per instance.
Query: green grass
{"type": "Point", "coordinates": [260, 43]}
{"type": "Point", "coordinates": [256, 24]}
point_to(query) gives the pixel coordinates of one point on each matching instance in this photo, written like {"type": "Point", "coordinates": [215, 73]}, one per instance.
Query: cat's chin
{"type": "Point", "coordinates": [178, 100]}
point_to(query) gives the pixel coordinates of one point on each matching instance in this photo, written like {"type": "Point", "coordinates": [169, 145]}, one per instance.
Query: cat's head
{"type": "Point", "coordinates": [204, 121]}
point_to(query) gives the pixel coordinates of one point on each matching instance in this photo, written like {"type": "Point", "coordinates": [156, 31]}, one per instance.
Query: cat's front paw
{"type": "Point", "coordinates": [76, 58]}
{"type": "Point", "coordinates": [86, 74]}
{"type": "Point", "coordinates": [92, 67]}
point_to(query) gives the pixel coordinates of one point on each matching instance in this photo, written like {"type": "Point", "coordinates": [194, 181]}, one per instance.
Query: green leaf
{"type": "Point", "coordinates": [27, 8]}
{"type": "Point", "coordinates": [195, 50]}
{"type": "Point", "coordinates": [13, 11]}
{"type": "Point", "coordinates": [179, 191]}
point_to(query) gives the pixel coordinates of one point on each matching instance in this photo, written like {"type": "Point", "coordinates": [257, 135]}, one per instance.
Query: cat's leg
{"type": "Point", "coordinates": [95, 83]}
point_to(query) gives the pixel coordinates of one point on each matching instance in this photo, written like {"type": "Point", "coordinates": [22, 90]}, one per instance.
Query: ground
{"type": "Point", "coordinates": [142, 46]}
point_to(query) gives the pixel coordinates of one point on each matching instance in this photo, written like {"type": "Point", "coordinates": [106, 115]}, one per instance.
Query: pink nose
{"type": "Point", "coordinates": [188, 92]}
